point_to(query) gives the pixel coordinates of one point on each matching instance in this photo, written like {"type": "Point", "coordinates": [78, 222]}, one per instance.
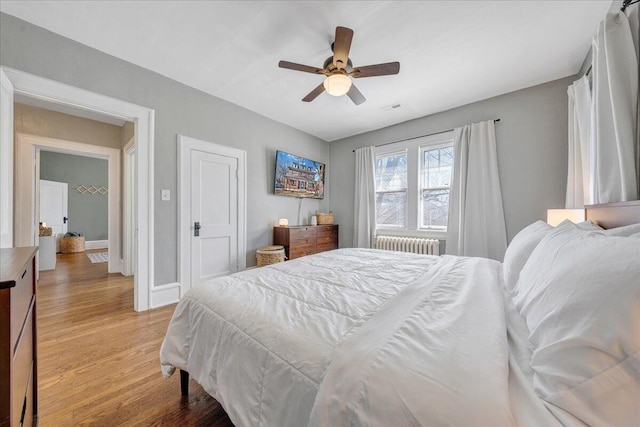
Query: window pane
{"type": "Point", "coordinates": [391, 172]}
{"type": "Point", "coordinates": [435, 208]}
{"type": "Point", "coordinates": [391, 209]}
{"type": "Point", "coordinates": [436, 167]}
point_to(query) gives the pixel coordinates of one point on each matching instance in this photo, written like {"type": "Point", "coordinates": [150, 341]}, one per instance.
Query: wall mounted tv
{"type": "Point", "coordinates": [298, 177]}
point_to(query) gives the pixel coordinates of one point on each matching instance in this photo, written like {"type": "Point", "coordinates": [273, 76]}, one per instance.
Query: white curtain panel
{"type": "Point", "coordinates": [615, 111]}
{"type": "Point", "coordinates": [633, 12]}
{"type": "Point", "coordinates": [364, 212]}
{"type": "Point", "coordinates": [578, 192]}
{"type": "Point", "coordinates": [476, 217]}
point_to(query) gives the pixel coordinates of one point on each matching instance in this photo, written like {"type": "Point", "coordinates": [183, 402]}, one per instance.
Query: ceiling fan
{"type": "Point", "coordinates": [338, 69]}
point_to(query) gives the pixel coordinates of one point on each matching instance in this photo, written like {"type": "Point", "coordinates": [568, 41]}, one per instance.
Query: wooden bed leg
{"type": "Point", "coordinates": [184, 382]}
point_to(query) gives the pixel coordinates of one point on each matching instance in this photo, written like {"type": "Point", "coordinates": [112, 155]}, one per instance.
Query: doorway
{"type": "Point", "coordinates": [28, 85]}
{"type": "Point", "coordinates": [27, 148]}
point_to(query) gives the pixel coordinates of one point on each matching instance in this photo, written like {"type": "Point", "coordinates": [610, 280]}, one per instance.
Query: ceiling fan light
{"type": "Point", "coordinates": [337, 84]}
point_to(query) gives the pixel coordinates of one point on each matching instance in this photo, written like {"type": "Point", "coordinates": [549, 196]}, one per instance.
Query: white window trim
{"type": "Point", "coordinates": [412, 147]}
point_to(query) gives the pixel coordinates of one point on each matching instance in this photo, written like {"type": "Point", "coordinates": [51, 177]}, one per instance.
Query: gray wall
{"type": "Point", "coordinates": [179, 110]}
{"type": "Point", "coordinates": [88, 213]}
{"type": "Point", "coordinates": [531, 144]}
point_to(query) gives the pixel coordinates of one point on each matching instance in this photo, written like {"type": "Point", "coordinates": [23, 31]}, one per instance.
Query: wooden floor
{"type": "Point", "coordinates": [98, 360]}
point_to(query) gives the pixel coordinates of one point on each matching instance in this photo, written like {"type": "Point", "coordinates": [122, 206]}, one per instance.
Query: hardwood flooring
{"type": "Point", "coordinates": [98, 360]}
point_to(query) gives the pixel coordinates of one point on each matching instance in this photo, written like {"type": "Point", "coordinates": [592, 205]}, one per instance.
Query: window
{"type": "Point", "coordinates": [436, 164]}
{"type": "Point", "coordinates": [413, 180]}
{"type": "Point", "coordinates": [391, 190]}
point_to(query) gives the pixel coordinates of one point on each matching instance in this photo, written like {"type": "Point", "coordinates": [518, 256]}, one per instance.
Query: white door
{"type": "Point", "coordinates": [54, 203]}
{"type": "Point", "coordinates": [214, 214]}
{"type": "Point", "coordinates": [6, 161]}
{"type": "Point", "coordinates": [212, 211]}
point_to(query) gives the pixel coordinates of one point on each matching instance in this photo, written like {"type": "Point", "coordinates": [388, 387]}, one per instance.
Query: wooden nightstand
{"type": "Point", "coordinates": [299, 241]}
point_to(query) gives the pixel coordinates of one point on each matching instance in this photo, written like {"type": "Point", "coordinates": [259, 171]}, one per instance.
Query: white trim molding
{"type": "Point", "coordinates": [6, 161]}
{"type": "Point", "coordinates": [97, 244]}
{"type": "Point", "coordinates": [59, 93]}
{"type": "Point", "coordinates": [165, 294]}
{"type": "Point", "coordinates": [128, 205]}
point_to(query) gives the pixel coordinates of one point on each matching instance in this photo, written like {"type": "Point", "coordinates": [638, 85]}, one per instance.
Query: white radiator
{"type": "Point", "coordinates": [415, 245]}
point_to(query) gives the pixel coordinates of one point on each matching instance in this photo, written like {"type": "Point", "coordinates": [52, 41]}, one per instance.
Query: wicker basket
{"type": "Point", "coordinates": [46, 231]}
{"type": "Point", "coordinates": [270, 255]}
{"type": "Point", "coordinates": [324, 218]}
{"type": "Point", "coordinates": [70, 245]}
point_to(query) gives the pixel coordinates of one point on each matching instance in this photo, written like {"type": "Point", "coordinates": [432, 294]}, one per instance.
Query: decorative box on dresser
{"type": "Point", "coordinates": [304, 240]}
{"type": "Point", "coordinates": [18, 385]}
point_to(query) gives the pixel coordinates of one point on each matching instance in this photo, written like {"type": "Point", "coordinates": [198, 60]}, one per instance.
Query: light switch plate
{"type": "Point", "coordinates": [166, 195]}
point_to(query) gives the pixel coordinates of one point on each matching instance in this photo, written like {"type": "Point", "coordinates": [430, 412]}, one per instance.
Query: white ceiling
{"type": "Point", "coordinates": [451, 52]}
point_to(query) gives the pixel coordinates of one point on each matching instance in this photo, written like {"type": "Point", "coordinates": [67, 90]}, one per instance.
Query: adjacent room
{"type": "Point", "coordinates": [327, 213]}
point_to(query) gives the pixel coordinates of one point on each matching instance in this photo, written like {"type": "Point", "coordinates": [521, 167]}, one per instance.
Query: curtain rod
{"type": "Point", "coordinates": [627, 3]}
{"type": "Point", "coordinates": [421, 136]}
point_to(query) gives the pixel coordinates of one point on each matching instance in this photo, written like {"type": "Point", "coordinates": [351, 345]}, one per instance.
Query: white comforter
{"type": "Point", "coordinates": [356, 337]}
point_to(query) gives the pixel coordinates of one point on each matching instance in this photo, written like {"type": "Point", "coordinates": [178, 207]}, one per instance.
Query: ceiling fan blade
{"type": "Point", "coordinates": [314, 93]}
{"type": "Point", "coordinates": [376, 70]}
{"type": "Point", "coordinates": [341, 47]}
{"type": "Point", "coordinates": [356, 96]}
{"type": "Point", "coordinates": [300, 67]}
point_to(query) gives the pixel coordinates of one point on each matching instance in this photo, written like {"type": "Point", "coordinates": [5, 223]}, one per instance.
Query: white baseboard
{"type": "Point", "coordinates": [96, 244]}
{"type": "Point", "coordinates": [165, 294]}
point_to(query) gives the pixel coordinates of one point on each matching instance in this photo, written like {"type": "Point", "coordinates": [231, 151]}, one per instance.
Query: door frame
{"type": "Point", "coordinates": [128, 214]}
{"type": "Point", "coordinates": [6, 161]}
{"type": "Point", "coordinates": [143, 118]}
{"type": "Point", "coordinates": [185, 145]}
{"type": "Point", "coordinates": [26, 208]}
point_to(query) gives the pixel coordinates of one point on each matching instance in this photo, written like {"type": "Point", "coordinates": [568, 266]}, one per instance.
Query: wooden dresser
{"type": "Point", "coordinates": [306, 240]}
{"type": "Point", "coordinates": [18, 387]}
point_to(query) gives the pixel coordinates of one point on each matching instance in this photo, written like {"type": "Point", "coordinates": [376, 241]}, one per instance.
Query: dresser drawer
{"type": "Point", "coordinates": [328, 246]}
{"type": "Point", "coordinates": [29, 403]}
{"type": "Point", "coordinates": [300, 251]}
{"type": "Point", "coordinates": [22, 367]}
{"type": "Point", "coordinates": [326, 239]}
{"type": "Point", "coordinates": [328, 235]}
{"type": "Point", "coordinates": [327, 228]}
{"type": "Point", "coordinates": [21, 295]}
{"type": "Point", "coordinates": [302, 235]}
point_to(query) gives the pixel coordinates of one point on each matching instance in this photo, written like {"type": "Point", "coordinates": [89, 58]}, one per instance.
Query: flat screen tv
{"type": "Point", "coordinates": [298, 177]}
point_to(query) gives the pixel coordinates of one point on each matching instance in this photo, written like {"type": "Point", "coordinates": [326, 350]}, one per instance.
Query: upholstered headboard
{"type": "Point", "coordinates": [613, 215]}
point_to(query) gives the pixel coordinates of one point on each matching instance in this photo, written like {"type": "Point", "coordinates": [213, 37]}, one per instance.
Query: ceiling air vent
{"type": "Point", "coordinates": [391, 107]}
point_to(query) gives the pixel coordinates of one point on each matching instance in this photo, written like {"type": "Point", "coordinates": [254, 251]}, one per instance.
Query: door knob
{"type": "Point", "coordinates": [65, 219]}
{"type": "Point", "coordinates": [196, 228]}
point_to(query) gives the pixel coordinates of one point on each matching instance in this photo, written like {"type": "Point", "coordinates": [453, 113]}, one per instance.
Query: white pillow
{"type": "Point", "coordinates": [587, 225]}
{"type": "Point", "coordinates": [579, 294]}
{"type": "Point", "coordinates": [519, 251]}
{"type": "Point", "coordinates": [623, 231]}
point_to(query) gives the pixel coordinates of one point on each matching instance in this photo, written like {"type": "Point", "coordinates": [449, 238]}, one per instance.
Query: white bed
{"type": "Point", "coordinates": [363, 337]}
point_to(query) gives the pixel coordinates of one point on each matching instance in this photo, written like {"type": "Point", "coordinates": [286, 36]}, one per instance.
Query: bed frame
{"type": "Point", "coordinates": [613, 215]}
{"type": "Point", "coordinates": [608, 215]}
